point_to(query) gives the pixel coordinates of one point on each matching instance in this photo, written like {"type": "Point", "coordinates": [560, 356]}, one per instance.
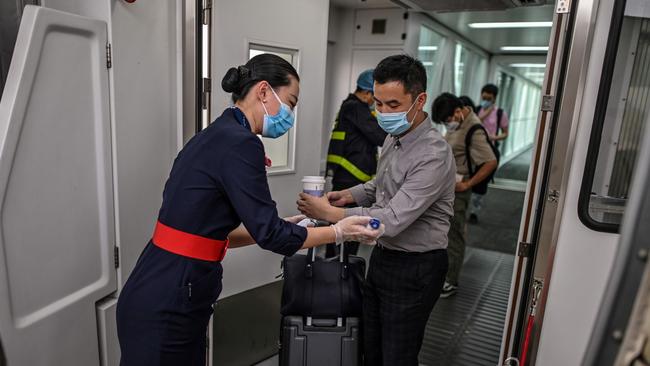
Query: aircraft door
{"type": "Point", "coordinates": [57, 233]}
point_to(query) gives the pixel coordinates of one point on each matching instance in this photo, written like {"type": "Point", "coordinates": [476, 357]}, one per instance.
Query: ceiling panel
{"type": "Point", "coordinates": [493, 39]}
{"type": "Point", "coordinates": [354, 4]}
{"type": "Point", "coordinates": [490, 40]}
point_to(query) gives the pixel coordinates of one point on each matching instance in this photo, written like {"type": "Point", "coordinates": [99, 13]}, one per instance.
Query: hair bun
{"type": "Point", "coordinates": [244, 72]}
{"type": "Point", "coordinates": [234, 79]}
{"type": "Point", "coordinates": [231, 80]}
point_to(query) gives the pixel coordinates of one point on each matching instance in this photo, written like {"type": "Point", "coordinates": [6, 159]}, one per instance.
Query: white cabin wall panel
{"type": "Point", "coordinates": [583, 257]}
{"type": "Point", "coordinates": [341, 33]}
{"type": "Point", "coordinates": [393, 29]}
{"type": "Point", "coordinates": [98, 9]}
{"type": "Point", "coordinates": [145, 71]}
{"type": "Point", "coordinates": [235, 24]}
{"type": "Point", "coordinates": [57, 195]}
{"type": "Point", "coordinates": [145, 110]}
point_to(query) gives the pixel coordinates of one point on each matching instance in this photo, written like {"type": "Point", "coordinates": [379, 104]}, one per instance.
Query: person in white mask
{"type": "Point", "coordinates": [475, 163]}
{"type": "Point", "coordinates": [412, 195]}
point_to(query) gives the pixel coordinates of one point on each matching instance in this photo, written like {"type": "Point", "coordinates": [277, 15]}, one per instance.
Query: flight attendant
{"type": "Point", "coordinates": [217, 183]}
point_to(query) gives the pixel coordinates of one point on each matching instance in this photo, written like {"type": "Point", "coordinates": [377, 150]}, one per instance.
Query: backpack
{"type": "Point", "coordinates": [480, 188]}
{"type": "Point", "coordinates": [499, 116]}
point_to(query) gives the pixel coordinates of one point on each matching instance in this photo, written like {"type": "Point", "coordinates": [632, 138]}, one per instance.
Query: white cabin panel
{"type": "Point", "coordinates": [56, 206]}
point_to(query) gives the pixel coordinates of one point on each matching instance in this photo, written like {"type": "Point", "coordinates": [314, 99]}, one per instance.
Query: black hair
{"type": "Point", "coordinates": [405, 69]}
{"type": "Point", "coordinates": [467, 102]}
{"type": "Point", "coordinates": [268, 67]}
{"type": "Point", "coordinates": [444, 107]}
{"type": "Point", "coordinates": [490, 89]}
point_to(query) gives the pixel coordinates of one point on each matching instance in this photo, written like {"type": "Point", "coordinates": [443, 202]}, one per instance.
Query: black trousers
{"type": "Point", "coordinates": [164, 309]}
{"type": "Point", "coordinates": [399, 294]}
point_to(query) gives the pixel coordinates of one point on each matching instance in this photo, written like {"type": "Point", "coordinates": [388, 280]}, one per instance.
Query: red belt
{"type": "Point", "coordinates": [189, 245]}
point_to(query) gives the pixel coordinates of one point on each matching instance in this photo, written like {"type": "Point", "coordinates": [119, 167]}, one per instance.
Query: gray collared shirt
{"type": "Point", "coordinates": [413, 192]}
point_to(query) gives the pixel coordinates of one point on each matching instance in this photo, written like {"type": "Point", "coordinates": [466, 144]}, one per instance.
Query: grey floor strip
{"type": "Point", "coordinates": [466, 328]}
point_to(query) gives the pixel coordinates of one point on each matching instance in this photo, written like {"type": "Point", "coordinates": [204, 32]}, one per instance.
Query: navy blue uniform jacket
{"type": "Point", "coordinates": [218, 181]}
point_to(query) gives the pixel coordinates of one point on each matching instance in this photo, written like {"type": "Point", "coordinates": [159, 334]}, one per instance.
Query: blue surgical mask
{"type": "Point", "coordinates": [395, 123]}
{"type": "Point", "coordinates": [485, 104]}
{"type": "Point", "coordinates": [277, 125]}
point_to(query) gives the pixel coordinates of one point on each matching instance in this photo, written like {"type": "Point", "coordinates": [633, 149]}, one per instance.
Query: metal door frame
{"type": "Point", "coordinates": [558, 123]}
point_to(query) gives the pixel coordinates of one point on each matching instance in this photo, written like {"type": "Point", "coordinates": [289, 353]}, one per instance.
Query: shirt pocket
{"type": "Point", "coordinates": [395, 174]}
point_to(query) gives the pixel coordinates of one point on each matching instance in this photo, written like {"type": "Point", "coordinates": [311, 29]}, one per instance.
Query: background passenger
{"type": "Point", "coordinates": [352, 154]}
{"type": "Point", "coordinates": [448, 109]}
{"type": "Point", "coordinates": [496, 122]}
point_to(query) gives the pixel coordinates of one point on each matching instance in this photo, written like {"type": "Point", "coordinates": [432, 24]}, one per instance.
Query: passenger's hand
{"type": "Point", "coordinates": [340, 198]}
{"type": "Point", "coordinates": [314, 207]}
{"type": "Point", "coordinates": [295, 219]}
{"type": "Point", "coordinates": [462, 186]}
{"type": "Point", "coordinates": [484, 113]}
{"type": "Point", "coordinates": [355, 228]}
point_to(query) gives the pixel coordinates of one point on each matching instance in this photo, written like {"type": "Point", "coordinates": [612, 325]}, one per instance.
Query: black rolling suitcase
{"type": "Point", "coordinates": [320, 342]}
{"type": "Point", "coordinates": [321, 308]}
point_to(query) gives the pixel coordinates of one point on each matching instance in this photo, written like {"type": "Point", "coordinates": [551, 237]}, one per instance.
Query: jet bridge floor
{"type": "Point", "coordinates": [466, 328]}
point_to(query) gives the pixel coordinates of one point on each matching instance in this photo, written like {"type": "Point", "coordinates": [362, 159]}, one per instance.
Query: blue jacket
{"type": "Point", "coordinates": [218, 181]}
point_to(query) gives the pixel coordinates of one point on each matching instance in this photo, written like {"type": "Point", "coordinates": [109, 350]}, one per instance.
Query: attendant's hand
{"type": "Point", "coordinates": [463, 186]}
{"type": "Point", "coordinates": [355, 228]}
{"type": "Point", "coordinates": [340, 198]}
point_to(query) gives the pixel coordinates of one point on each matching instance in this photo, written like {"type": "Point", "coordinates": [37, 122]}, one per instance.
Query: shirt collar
{"type": "Point", "coordinates": [413, 135]}
{"type": "Point", "coordinates": [240, 117]}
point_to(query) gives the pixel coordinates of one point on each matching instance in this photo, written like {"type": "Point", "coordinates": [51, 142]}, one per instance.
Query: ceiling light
{"type": "Point", "coordinates": [532, 66]}
{"type": "Point", "coordinates": [428, 48]}
{"type": "Point", "coordinates": [534, 74]}
{"type": "Point", "coordinates": [524, 48]}
{"type": "Point", "coordinates": [427, 63]}
{"type": "Point", "coordinates": [494, 25]}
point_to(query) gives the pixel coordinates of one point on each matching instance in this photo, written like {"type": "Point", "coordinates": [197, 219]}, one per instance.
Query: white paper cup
{"type": "Point", "coordinates": [313, 185]}
{"type": "Point", "coordinates": [459, 178]}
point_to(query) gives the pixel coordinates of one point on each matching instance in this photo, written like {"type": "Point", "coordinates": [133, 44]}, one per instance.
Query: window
{"type": "Point", "coordinates": [469, 72]}
{"type": "Point", "coordinates": [622, 111]}
{"type": "Point", "coordinates": [280, 150]}
{"type": "Point", "coordinates": [428, 52]}
{"type": "Point", "coordinates": [460, 60]}
{"type": "Point", "coordinates": [520, 98]}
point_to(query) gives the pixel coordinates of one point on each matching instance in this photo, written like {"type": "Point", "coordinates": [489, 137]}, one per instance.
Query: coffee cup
{"type": "Point", "coordinates": [313, 185]}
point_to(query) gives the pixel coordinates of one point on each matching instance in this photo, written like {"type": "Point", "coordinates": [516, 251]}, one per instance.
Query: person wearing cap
{"type": "Point", "coordinates": [352, 154]}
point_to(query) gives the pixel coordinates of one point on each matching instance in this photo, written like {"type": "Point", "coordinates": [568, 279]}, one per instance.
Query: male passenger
{"type": "Point", "coordinates": [495, 120]}
{"type": "Point", "coordinates": [412, 195]}
{"type": "Point", "coordinates": [352, 154]}
{"type": "Point", "coordinates": [449, 109]}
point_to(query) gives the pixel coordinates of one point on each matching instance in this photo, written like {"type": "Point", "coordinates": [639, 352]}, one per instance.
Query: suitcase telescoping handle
{"type": "Point", "coordinates": [343, 258]}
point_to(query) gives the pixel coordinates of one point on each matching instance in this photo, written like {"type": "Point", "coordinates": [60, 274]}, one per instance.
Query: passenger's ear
{"type": "Point", "coordinates": [423, 99]}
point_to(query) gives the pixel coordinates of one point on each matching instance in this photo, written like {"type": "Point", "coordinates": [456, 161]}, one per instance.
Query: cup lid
{"type": "Point", "coordinates": [313, 179]}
